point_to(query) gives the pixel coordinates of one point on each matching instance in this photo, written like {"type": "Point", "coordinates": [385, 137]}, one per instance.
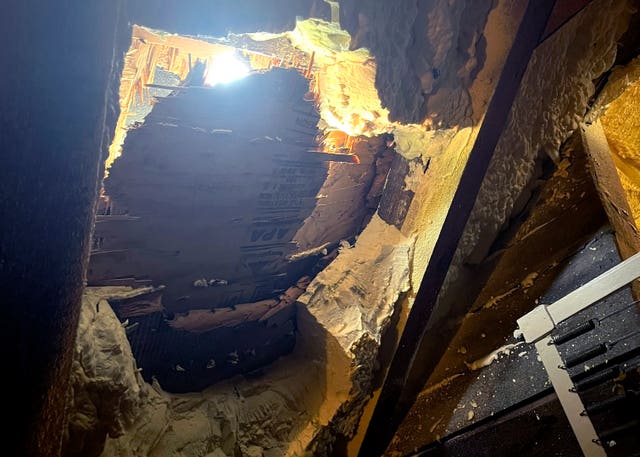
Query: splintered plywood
{"type": "Point", "coordinates": [216, 182]}
{"type": "Point", "coordinates": [153, 49]}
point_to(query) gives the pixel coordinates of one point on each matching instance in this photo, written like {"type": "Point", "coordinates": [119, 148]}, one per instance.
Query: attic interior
{"type": "Point", "coordinates": [323, 228]}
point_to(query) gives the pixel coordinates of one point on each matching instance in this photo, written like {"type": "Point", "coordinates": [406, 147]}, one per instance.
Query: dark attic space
{"type": "Point", "coordinates": [289, 228]}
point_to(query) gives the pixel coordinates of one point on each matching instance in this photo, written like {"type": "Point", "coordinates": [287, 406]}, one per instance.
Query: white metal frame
{"type": "Point", "coordinates": [540, 322]}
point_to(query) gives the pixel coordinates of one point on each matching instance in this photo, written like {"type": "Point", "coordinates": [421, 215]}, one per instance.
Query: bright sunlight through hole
{"type": "Point", "coordinates": [225, 68]}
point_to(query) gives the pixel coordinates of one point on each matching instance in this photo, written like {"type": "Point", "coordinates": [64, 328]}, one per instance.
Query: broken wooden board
{"type": "Point", "coordinates": [396, 199]}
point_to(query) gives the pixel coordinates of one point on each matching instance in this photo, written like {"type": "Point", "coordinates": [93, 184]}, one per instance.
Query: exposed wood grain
{"type": "Point", "coordinates": [611, 192]}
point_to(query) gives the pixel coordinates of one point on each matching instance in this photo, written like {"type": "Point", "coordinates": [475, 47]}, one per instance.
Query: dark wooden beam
{"type": "Point", "coordinates": [562, 12]}
{"type": "Point", "coordinates": [55, 124]}
{"type": "Point", "coordinates": [397, 392]}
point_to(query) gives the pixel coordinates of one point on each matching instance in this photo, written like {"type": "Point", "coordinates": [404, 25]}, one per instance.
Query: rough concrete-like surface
{"type": "Point", "coordinates": [427, 56]}
{"type": "Point", "coordinates": [107, 390]}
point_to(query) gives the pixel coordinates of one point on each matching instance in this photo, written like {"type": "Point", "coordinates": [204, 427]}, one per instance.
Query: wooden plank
{"type": "Point", "coordinates": [125, 282]}
{"type": "Point", "coordinates": [611, 192]}
{"type": "Point", "coordinates": [149, 301]}
{"type": "Point", "coordinates": [397, 392]}
{"type": "Point", "coordinates": [396, 200]}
